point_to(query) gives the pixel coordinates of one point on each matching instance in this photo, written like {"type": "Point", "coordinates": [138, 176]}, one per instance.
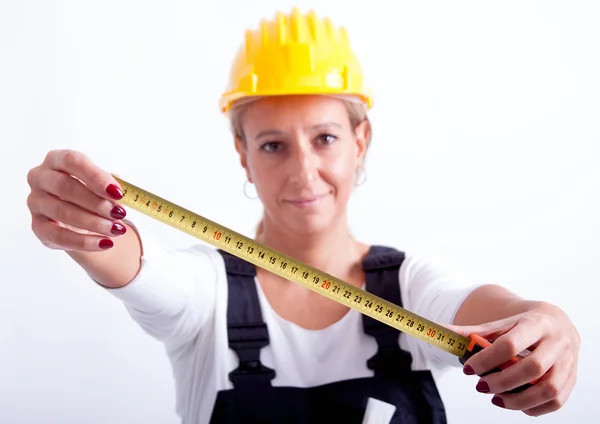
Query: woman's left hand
{"type": "Point", "coordinates": [554, 342]}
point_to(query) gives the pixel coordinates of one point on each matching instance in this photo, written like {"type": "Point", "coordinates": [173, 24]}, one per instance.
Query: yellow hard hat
{"type": "Point", "coordinates": [295, 54]}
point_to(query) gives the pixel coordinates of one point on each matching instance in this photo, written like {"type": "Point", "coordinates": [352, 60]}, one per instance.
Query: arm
{"type": "Point", "coordinates": [173, 292]}
{"type": "Point", "coordinates": [436, 290]}
{"type": "Point", "coordinates": [490, 303]}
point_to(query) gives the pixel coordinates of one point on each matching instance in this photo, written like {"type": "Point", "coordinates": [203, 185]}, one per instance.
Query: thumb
{"type": "Point", "coordinates": [490, 330]}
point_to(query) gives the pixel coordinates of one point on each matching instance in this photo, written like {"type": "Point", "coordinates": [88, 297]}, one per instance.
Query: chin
{"type": "Point", "coordinates": [312, 226]}
{"type": "Point", "coordinates": [308, 223]}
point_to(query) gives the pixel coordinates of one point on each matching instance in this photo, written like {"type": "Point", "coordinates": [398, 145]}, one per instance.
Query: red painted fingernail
{"type": "Point", "coordinates": [498, 402]}
{"type": "Point", "coordinates": [118, 229]}
{"type": "Point", "coordinates": [106, 243]}
{"type": "Point", "coordinates": [114, 192]}
{"type": "Point", "coordinates": [118, 212]}
{"type": "Point", "coordinates": [468, 370]}
{"type": "Point", "coordinates": [482, 387]}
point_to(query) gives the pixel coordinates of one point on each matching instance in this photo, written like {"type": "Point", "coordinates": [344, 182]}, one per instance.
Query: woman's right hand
{"type": "Point", "coordinates": [73, 203]}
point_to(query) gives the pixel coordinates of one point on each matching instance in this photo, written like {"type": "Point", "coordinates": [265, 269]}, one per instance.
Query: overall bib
{"type": "Point", "coordinates": [254, 400]}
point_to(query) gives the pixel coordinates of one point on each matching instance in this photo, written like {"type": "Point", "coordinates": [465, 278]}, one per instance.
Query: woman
{"type": "Point", "coordinates": [245, 345]}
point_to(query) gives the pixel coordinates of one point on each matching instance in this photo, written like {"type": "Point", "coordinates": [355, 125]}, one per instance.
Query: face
{"type": "Point", "coordinates": [302, 155]}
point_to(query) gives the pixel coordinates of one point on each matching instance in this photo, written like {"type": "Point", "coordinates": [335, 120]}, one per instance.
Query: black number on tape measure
{"type": "Point", "coordinates": [316, 280]}
{"type": "Point", "coordinates": [137, 196]}
{"type": "Point", "coordinates": [261, 255]}
{"type": "Point", "coordinates": [389, 313]}
{"type": "Point", "coordinates": [410, 322]}
{"type": "Point", "coordinates": [182, 218]}
{"type": "Point", "coordinates": [294, 269]}
{"type": "Point", "coordinates": [441, 337]}
{"type": "Point", "coordinates": [125, 193]}
{"type": "Point", "coordinates": [461, 346]}
{"type": "Point", "coordinates": [451, 342]}
{"type": "Point", "coordinates": [204, 229]}
{"type": "Point", "coordinates": [283, 265]}
{"type": "Point", "coordinates": [400, 318]}
{"type": "Point", "coordinates": [227, 239]}
{"type": "Point", "coordinates": [369, 304]}
{"type": "Point", "coordinates": [193, 224]}
{"type": "Point", "coordinates": [159, 208]}
{"type": "Point", "coordinates": [336, 289]}
{"type": "Point", "coordinates": [239, 244]}
{"type": "Point", "coordinates": [170, 214]}
{"type": "Point", "coordinates": [272, 260]}
{"type": "Point", "coordinates": [358, 299]}
{"type": "Point", "coordinates": [305, 275]}
{"type": "Point", "coordinates": [346, 294]}
{"type": "Point", "coordinates": [148, 203]}
{"type": "Point", "coordinates": [420, 327]}
{"type": "Point", "coordinates": [250, 248]}
{"type": "Point", "coordinates": [379, 309]}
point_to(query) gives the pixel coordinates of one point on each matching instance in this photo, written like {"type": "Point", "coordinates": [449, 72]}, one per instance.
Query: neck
{"type": "Point", "coordinates": [333, 251]}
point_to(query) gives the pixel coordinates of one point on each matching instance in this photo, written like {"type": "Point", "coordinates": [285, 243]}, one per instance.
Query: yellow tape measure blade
{"type": "Point", "coordinates": [291, 269]}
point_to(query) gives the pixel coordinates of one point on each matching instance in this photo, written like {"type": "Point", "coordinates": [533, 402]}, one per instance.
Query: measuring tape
{"type": "Point", "coordinates": [303, 274]}
{"type": "Point", "coordinates": [291, 269]}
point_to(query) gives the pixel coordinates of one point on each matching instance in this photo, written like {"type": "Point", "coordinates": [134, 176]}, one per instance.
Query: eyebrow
{"type": "Point", "coordinates": [312, 127]}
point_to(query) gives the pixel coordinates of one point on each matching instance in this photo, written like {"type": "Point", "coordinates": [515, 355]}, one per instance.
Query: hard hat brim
{"type": "Point", "coordinates": [229, 100]}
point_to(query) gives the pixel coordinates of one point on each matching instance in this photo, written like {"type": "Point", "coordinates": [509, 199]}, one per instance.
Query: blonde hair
{"type": "Point", "coordinates": [357, 113]}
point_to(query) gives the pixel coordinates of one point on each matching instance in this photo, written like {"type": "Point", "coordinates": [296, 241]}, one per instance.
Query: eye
{"type": "Point", "coordinates": [272, 146]}
{"type": "Point", "coordinates": [326, 139]}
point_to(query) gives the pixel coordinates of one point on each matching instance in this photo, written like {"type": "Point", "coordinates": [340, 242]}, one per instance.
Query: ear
{"type": "Point", "coordinates": [362, 132]}
{"type": "Point", "coordinates": [241, 149]}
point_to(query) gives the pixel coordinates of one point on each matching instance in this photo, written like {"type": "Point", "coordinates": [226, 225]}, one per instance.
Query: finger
{"type": "Point", "coordinates": [54, 236]}
{"type": "Point", "coordinates": [72, 190]}
{"type": "Point", "coordinates": [547, 389]}
{"type": "Point", "coordinates": [51, 207]}
{"type": "Point", "coordinates": [557, 402]}
{"type": "Point", "coordinates": [77, 164]}
{"type": "Point", "coordinates": [520, 338]}
{"type": "Point", "coordinates": [532, 367]}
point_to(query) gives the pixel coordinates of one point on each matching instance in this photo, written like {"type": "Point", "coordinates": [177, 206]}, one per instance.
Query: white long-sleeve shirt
{"type": "Point", "coordinates": [179, 297]}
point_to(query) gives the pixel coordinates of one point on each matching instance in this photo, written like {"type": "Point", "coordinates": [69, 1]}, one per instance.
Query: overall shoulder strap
{"type": "Point", "coordinates": [382, 268]}
{"type": "Point", "coordinates": [247, 333]}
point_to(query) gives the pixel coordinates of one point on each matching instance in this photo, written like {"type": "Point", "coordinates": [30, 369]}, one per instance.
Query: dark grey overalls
{"type": "Point", "coordinates": [254, 400]}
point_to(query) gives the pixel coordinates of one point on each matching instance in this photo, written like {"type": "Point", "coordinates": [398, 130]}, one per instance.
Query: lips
{"type": "Point", "coordinates": [306, 202]}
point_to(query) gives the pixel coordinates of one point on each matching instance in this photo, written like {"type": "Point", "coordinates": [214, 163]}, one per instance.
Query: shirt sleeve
{"type": "Point", "coordinates": [174, 292]}
{"type": "Point", "coordinates": [433, 288]}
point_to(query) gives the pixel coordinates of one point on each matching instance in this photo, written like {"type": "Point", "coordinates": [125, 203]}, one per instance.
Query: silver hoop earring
{"type": "Point", "coordinates": [246, 191]}
{"type": "Point", "coordinates": [361, 175]}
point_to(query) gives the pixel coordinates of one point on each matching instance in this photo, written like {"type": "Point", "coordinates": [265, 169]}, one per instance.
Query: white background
{"type": "Point", "coordinates": [486, 150]}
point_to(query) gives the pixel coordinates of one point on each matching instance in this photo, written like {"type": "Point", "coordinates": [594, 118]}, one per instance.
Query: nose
{"type": "Point", "coordinates": [303, 166]}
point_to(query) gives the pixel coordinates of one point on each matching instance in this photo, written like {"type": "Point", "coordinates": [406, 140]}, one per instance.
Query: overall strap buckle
{"type": "Point", "coordinates": [247, 340]}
